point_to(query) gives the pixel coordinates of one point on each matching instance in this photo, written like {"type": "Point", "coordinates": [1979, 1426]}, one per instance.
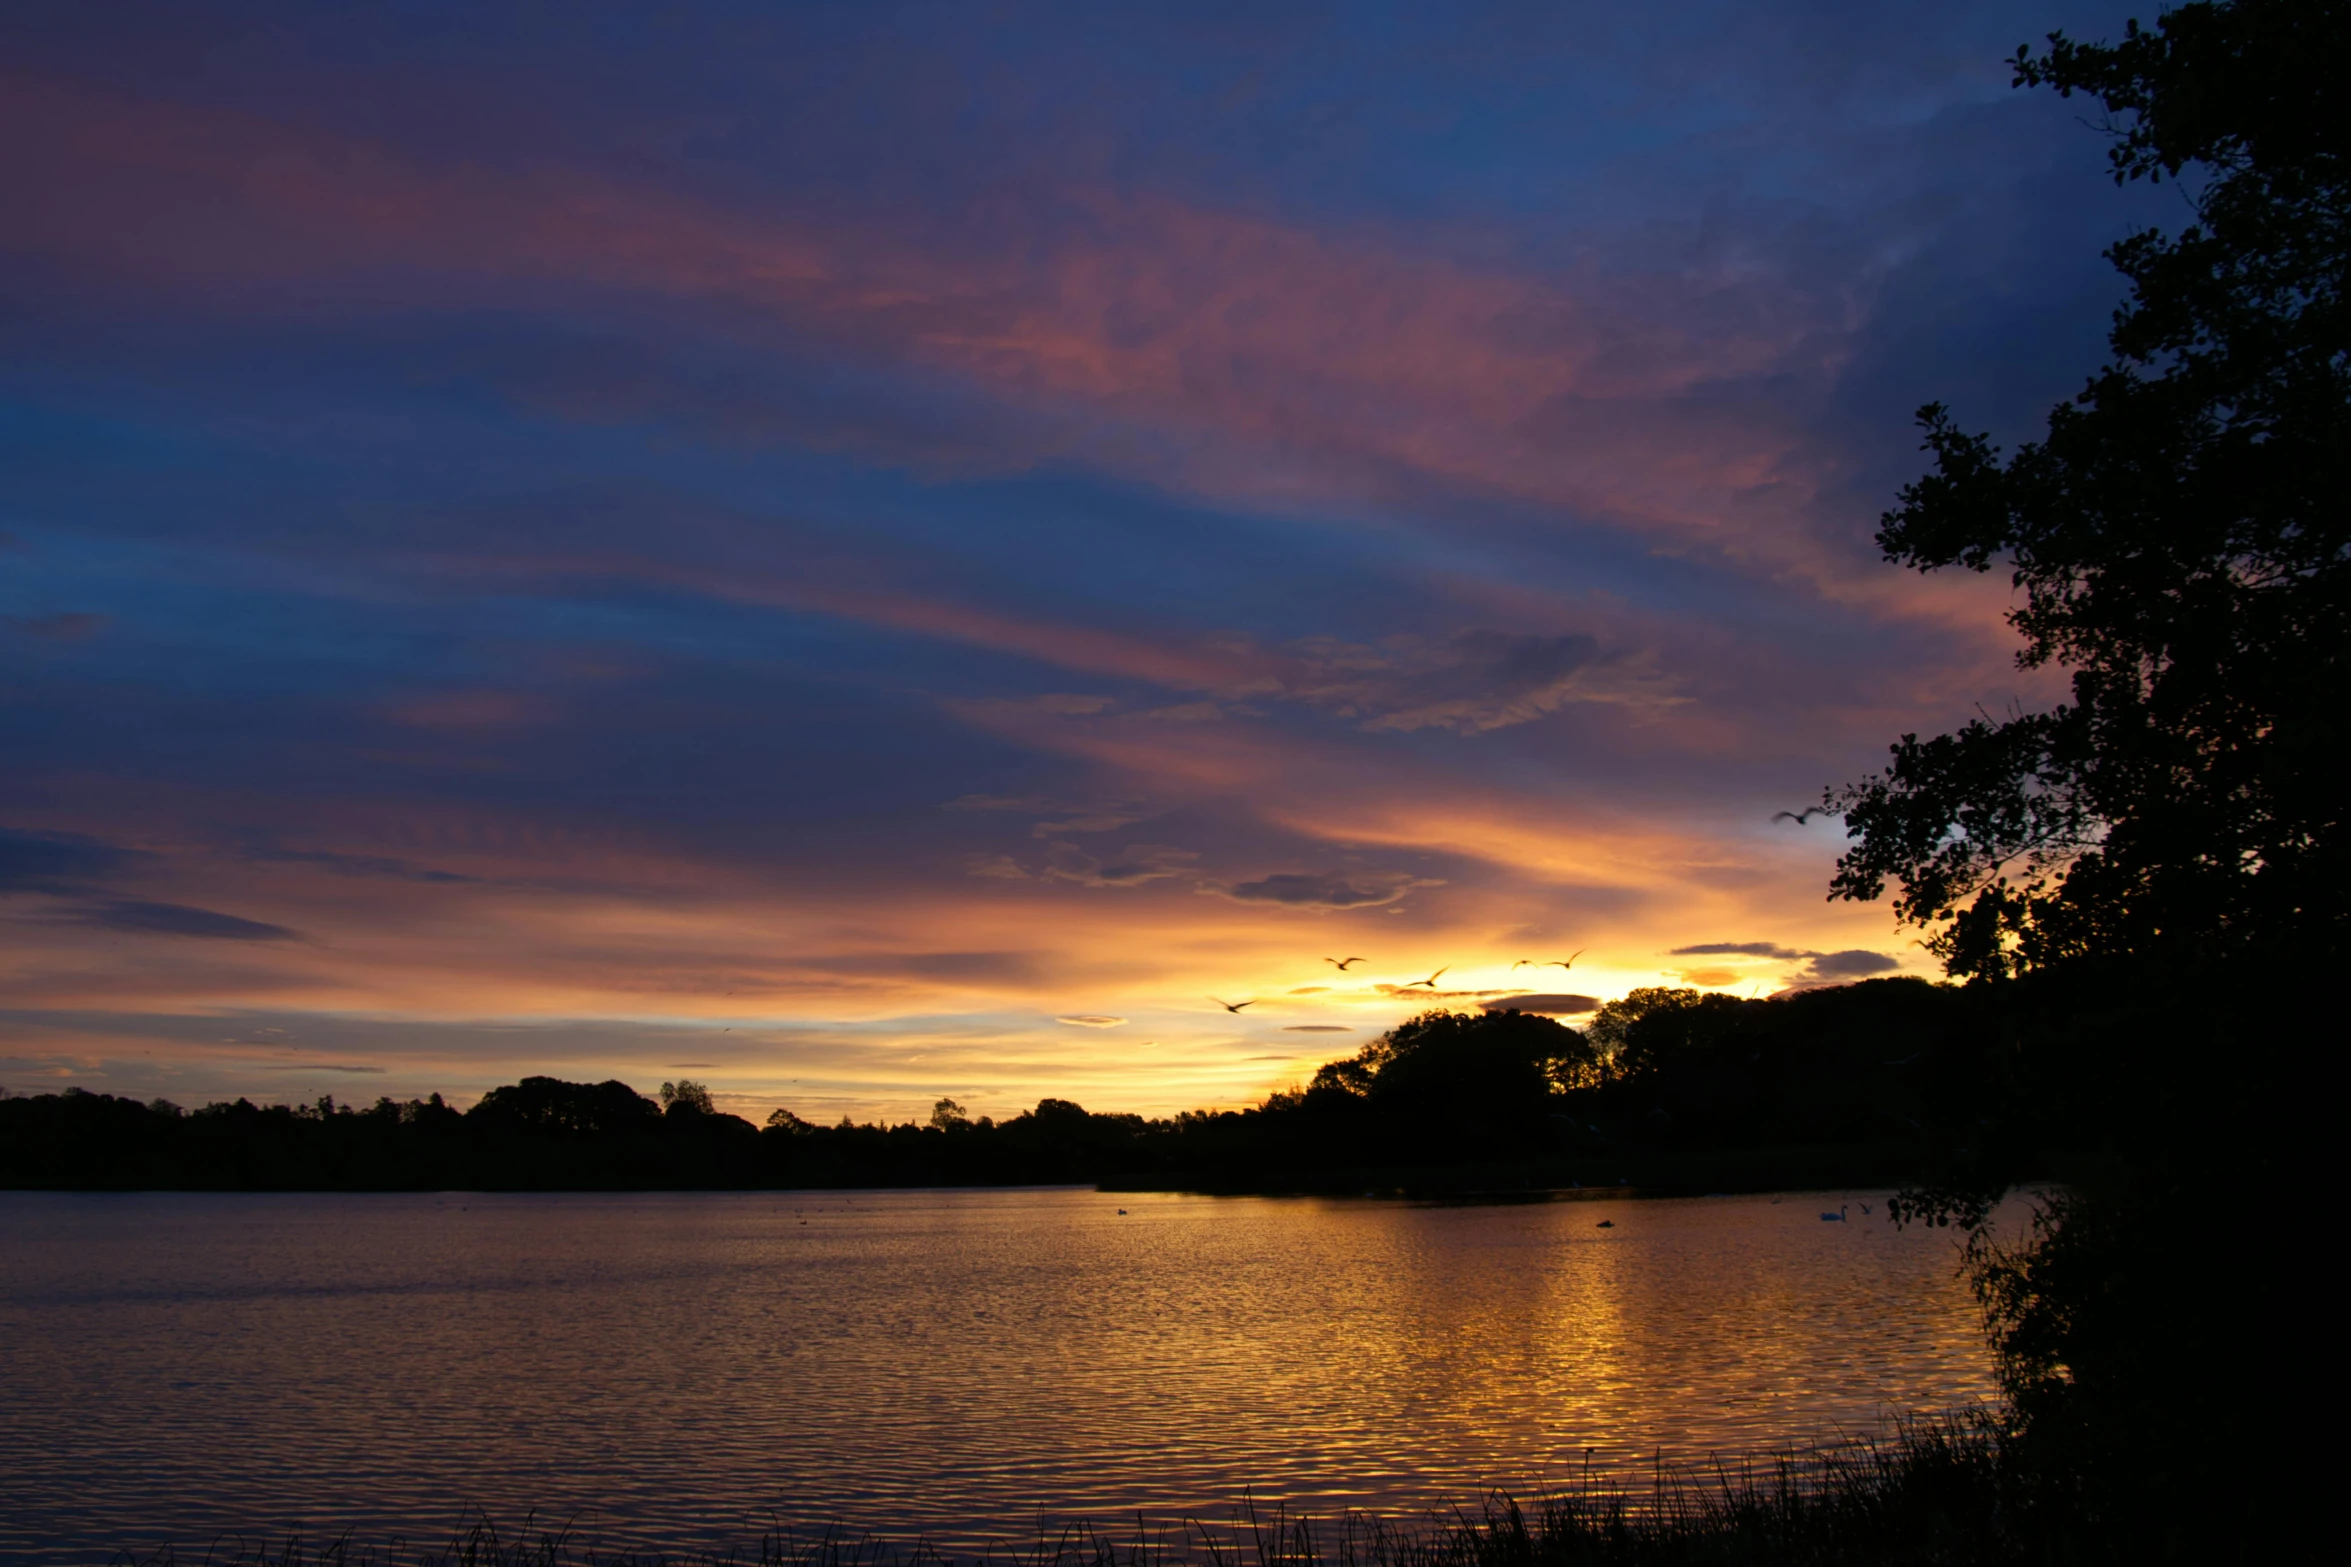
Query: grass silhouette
{"type": "Point", "coordinates": [1946, 1491]}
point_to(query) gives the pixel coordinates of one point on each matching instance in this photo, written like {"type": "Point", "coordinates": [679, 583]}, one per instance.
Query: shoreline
{"type": "Point", "coordinates": [1946, 1490]}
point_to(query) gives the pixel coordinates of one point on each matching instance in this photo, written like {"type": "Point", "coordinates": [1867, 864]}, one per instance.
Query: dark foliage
{"type": "Point", "coordinates": [2152, 876]}
{"type": "Point", "coordinates": [1669, 1090]}
{"type": "Point", "coordinates": [2181, 542]}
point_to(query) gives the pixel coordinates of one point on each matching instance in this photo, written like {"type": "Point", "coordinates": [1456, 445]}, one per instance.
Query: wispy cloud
{"type": "Point", "coordinates": [1741, 949]}
{"type": "Point", "coordinates": [1549, 1003]}
{"type": "Point", "coordinates": [1353, 361]}
{"type": "Point", "coordinates": [174, 919]}
{"type": "Point", "coordinates": [1324, 889]}
{"type": "Point", "coordinates": [564, 584]}
{"type": "Point", "coordinates": [1821, 967]}
{"type": "Point", "coordinates": [43, 861]}
{"type": "Point", "coordinates": [1133, 866]}
{"type": "Point", "coordinates": [1471, 682]}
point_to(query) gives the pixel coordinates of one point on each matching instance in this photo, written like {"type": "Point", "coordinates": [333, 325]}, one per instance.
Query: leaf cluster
{"type": "Point", "coordinates": [2178, 539]}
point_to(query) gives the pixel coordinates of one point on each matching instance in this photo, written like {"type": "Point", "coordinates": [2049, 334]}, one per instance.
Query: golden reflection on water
{"type": "Point", "coordinates": [686, 1369]}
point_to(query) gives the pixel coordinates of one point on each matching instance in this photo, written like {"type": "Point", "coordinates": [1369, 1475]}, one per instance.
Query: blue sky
{"type": "Point", "coordinates": [808, 546]}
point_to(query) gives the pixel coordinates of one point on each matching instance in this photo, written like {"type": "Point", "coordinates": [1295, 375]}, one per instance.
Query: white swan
{"type": "Point", "coordinates": [1835, 1218]}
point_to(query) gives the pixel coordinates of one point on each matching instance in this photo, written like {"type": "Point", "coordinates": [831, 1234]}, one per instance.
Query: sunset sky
{"type": "Point", "coordinates": [863, 552]}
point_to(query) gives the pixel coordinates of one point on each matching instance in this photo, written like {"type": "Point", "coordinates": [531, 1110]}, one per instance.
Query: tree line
{"type": "Point", "coordinates": [1673, 1089]}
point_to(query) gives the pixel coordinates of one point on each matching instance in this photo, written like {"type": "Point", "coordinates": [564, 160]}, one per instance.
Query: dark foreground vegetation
{"type": "Point", "coordinates": [2155, 871]}
{"type": "Point", "coordinates": [1876, 1083]}
{"type": "Point", "coordinates": [1934, 1495]}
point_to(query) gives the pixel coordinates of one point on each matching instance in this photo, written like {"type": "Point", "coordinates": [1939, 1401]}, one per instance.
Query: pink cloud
{"type": "Point", "coordinates": [1214, 349]}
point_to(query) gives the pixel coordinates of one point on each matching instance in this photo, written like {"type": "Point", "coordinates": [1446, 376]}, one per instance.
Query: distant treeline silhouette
{"type": "Point", "coordinates": [1876, 1082]}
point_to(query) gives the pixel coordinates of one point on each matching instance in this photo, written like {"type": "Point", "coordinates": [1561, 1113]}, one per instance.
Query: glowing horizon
{"type": "Point", "coordinates": [874, 556]}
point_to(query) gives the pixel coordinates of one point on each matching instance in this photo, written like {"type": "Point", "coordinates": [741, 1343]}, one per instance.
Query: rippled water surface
{"type": "Point", "coordinates": [684, 1368]}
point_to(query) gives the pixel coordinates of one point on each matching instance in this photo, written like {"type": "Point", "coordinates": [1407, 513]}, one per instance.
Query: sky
{"type": "Point", "coordinates": [861, 553]}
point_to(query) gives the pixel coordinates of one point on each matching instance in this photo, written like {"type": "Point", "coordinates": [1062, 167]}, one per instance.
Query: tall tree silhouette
{"type": "Point", "coordinates": [2153, 873]}
{"type": "Point", "coordinates": [2180, 540]}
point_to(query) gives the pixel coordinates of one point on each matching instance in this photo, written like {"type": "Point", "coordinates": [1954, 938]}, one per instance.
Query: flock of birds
{"type": "Point", "coordinates": [1843, 1215]}
{"type": "Point", "coordinates": [1430, 983]}
{"type": "Point", "coordinates": [1800, 818]}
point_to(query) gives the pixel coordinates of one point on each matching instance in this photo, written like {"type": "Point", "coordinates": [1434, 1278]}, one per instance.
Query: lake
{"type": "Point", "coordinates": [686, 1369]}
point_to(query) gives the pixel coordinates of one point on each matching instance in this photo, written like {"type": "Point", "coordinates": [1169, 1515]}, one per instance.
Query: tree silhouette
{"type": "Point", "coordinates": [2152, 874]}
{"type": "Point", "coordinates": [2180, 540]}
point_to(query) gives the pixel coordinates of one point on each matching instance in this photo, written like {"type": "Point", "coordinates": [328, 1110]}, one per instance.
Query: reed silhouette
{"type": "Point", "coordinates": [1933, 1493]}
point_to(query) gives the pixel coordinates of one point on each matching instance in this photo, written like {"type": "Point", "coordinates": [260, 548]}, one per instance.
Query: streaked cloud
{"type": "Point", "coordinates": [1742, 949]}
{"type": "Point", "coordinates": [1854, 963]}
{"type": "Point", "coordinates": [1133, 866]}
{"type": "Point", "coordinates": [1820, 967]}
{"type": "Point", "coordinates": [1470, 682]}
{"type": "Point", "coordinates": [41, 861]}
{"type": "Point", "coordinates": [622, 589]}
{"type": "Point", "coordinates": [174, 919]}
{"type": "Point", "coordinates": [1550, 1003]}
{"type": "Point", "coordinates": [1325, 889]}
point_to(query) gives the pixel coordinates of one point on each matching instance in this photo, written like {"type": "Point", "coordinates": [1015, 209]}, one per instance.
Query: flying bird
{"type": "Point", "coordinates": [1567, 962]}
{"type": "Point", "coordinates": [1803, 816]}
{"type": "Point", "coordinates": [1232, 1006]}
{"type": "Point", "coordinates": [1431, 981]}
{"type": "Point", "coordinates": [1342, 964]}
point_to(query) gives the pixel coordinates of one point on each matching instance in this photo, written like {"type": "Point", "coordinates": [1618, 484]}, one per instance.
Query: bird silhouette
{"type": "Point", "coordinates": [1567, 962]}
{"type": "Point", "coordinates": [1342, 964]}
{"type": "Point", "coordinates": [1431, 981]}
{"type": "Point", "coordinates": [1800, 818]}
{"type": "Point", "coordinates": [1834, 1218]}
{"type": "Point", "coordinates": [1232, 1006]}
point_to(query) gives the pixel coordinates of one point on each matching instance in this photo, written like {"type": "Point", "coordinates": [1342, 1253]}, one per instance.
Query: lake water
{"type": "Point", "coordinates": [684, 1370]}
